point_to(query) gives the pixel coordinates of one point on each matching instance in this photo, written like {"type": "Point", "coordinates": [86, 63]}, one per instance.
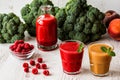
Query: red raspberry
{"type": "Point", "coordinates": [26, 46]}
{"type": "Point", "coordinates": [44, 66]}
{"type": "Point", "coordinates": [25, 65]}
{"type": "Point", "coordinates": [40, 60]}
{"type": "Point", "coordinates": [46, 72]}
{"type": "Point", "coordinates": [31, 47]}
{"type": "Point", "coordinates": [16, 42]}
{"type": "Point", "coordinates": [12, 47]}
{"type": "Point", "coordinates": [18, 49]}
{"type": "Point", "coordinates": [27, 50]}
{"type": "Point", "coordinates": [32, 62]}
{"type": "Point", "coordinates": [21, 41]}
{"type": "Point", "coordinates": [26, 69]}
{"type": "Point", "coordinates": [35, 71]}
{"type": "Point", "coordinates": [22, 45]}
{"type": "Point", "coordinates": [23, 51]}
{"type": "Point", "coordinates": [38, 66]}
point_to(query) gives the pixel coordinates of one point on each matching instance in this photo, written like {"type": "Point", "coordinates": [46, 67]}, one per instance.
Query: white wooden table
{"type": "Point", "coordinates": [11, 68]}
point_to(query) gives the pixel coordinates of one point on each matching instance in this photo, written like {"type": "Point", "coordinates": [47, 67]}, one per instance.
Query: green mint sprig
{"type": "Point", "coordinates": [80, 47]}
{"type": "Point", "coordinates": [108, 50]}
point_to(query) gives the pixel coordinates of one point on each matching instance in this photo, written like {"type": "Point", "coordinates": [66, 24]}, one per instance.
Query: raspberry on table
{"type": "Point", "coordinates": [35, 71]}
{"type": "Point", "coordinates": [26, 69]}
{"type": "Point", "coordinates": [25, 65]}
{"type": "Point", "coordinates": [40, 60]}
{"type": "Point", "coordinates": [38, 66]}
{"type": "Point", "coordinates": [46, 72]}
{"type": "Point", "coordinates": [32, 62]}
{"type": "Point", "coordinates": [44, 66]}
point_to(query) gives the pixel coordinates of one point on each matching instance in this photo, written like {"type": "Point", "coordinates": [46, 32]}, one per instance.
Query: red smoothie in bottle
{"type": "Point", "coordinates": [71, 58]}
{"type": "Point", "coordinates": [46, 31]}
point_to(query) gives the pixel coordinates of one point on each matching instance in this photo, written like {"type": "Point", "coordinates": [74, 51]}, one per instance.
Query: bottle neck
{"type": "Point", "coordinates": [46, 9]}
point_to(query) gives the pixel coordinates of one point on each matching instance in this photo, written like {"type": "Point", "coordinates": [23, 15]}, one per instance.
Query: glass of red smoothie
{"type": "Point", "coordinates": [70, 57]}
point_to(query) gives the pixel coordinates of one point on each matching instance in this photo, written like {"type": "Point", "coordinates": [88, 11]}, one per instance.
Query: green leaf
{"type": "Point", "coordinates": [80, 47]}
{"type": "Point", "coordinates": [109, 51]}
{"type": "Point", "coordinates": [104, 49]}
{"type": "Point", "coordinates": [112, 53]}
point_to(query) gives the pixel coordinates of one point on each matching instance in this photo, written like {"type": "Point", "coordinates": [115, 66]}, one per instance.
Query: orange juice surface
{"type": "Point", "coordinates": [99, 60]}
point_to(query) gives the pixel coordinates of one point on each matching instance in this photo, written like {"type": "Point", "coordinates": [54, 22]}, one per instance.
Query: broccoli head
{"type": "Point", "coordinates": [11, 28]}
{"type": "Point", "coordinates": [80, 21]}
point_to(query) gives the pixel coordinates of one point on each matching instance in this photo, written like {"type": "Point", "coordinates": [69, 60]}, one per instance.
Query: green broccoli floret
{"type": "Point", "coordinates": [82, 20]}
{"type": "Point", "coordinates": [71, 19]}
{"type": "Point", "coordinates": [6, 36]}
{"type": "Point", "coordinates": [17, 37]}
{"type": "Point", "coordinates": [62, 35]}
{"type": "Point", "coordinates": [91, 16]}
{"type": "Point", "coordinates": [36, 3]}
{"type": "Point", "coordinates": [10, 26]}
{"type": "Point", "coordinates": [78, 27]}
{"type": "Point", "coordinates": [56, 9]}
{"type": "Point", "coordinates": [95, 28]}
{"type": "Point", "coordinates": [68, 26]}
{"type": "Point", "coordinates": [87, 30]}
{"type": "Point", "coordinates": [5, 19]}
{"type": "Point", "coordinates": [1, 17]}
{"type": "Point", "coordinates": [4, 30]}
{"type": "Point", "coordinates": [22, 27]}
{"type": "Point", "coordinates": [25, 10]}
{"type": "Point", "coordinates": [81, 36]}
{"type": "Point", "coordinates": [72, 34]}
{"type": "Point", "coordinates": [16, 20]}
{"type": "Point", "coordinates": [61, 17]}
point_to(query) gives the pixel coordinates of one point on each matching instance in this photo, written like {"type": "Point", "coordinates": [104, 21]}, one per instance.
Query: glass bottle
{"type": "Point", "coordinates": [46, 30]}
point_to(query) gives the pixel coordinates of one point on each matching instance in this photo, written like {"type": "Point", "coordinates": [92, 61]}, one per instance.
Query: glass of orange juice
{"type": "Point", "coordinates": [100, 55]}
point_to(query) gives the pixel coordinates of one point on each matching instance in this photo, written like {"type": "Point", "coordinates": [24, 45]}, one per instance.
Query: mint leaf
{"type": "Point", "coordinates": [80, 47]}
{"type": "Point", "coordinates": [109, 51]}
{"type": "Point", "coordinates": [112, 53]}
{"type": "Point", "coordinates": [104, 49]}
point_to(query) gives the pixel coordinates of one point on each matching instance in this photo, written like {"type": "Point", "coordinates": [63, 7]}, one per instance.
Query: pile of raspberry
{"type": "Point", "coordinates": [35, 65]}
{"type": "Point", "coordinates": [20, 46]}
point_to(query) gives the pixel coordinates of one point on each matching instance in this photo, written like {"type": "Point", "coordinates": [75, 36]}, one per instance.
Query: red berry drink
{"type": "Point", "coordinates": [46, 31]}
{"type": "Point", "coordinates": [71, 58]}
